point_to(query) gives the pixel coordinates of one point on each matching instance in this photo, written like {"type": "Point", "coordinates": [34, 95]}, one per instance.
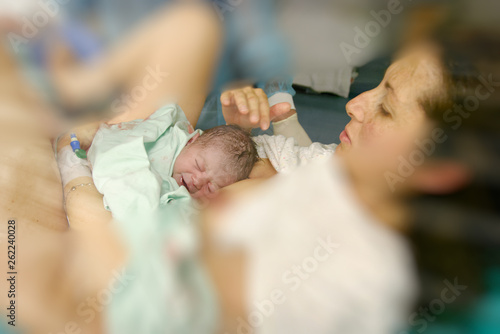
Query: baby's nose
{"type": "Point", "coordinates": [198, 181]}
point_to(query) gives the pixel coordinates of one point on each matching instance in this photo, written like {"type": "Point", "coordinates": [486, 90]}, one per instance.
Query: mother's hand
{"type": "Point", "coordinates": [248, 107]}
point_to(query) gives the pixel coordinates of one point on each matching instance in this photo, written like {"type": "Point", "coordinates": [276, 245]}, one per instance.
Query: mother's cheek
{"type": "Point", "coordinates": [372, 134]}
{"type": "Point", "coordinates": [388, 140]}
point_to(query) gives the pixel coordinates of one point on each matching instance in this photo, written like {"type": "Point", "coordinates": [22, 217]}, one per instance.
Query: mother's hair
{"type": "Point", "coordinates": [458, 234]}
{"type": "Point", "coordinates": [459, 76]}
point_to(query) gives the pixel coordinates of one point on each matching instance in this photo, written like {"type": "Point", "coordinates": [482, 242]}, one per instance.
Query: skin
{"type": "Point", "coordinates": [385, 124]}
{"type": "Point", "coordinates": [33, 197]}
{"type": "Point", "coordinates": [201, 170]}
{"type": "Point", "coordinates": [378, 116]}
{"type": "Point", "coordinates": [249, 108]}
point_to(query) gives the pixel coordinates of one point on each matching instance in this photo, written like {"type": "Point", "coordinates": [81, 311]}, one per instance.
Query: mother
{"type": "Point", "coordinates": [73, 267]}
{"type": "Point", "coordinates": [327, 237]}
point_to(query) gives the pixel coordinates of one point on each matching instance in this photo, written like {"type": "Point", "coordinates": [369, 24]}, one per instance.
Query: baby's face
{"type": "Point", "coordinates": [201, 171]}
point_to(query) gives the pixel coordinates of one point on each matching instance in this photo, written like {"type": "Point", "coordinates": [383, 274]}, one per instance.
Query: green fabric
{"type": "Point", "coordinates": [166, 290]}
{"type": "Point", "coordinates": [137, 157]}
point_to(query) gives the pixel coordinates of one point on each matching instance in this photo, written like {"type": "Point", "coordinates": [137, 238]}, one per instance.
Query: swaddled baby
{"type": "Point", "coordinates": [145, 163]}
{"type": "Point", "coordinates": [160, 156]}
{"type": "Point", "coordinates": [219, 157]}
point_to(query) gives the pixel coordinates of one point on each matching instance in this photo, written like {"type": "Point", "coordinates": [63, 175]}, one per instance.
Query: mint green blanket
{"type": "Point", "coordinates": [164, 289]}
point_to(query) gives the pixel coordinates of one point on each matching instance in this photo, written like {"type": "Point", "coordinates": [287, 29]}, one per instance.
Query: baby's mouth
{"type": "Point", "coordinates": [184, 184]}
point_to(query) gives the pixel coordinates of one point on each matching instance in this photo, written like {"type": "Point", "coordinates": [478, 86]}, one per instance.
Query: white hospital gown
{"type": "Point", "coordinates": [318, 262]}
{"type": "Point", "coordinates": [285, 155]}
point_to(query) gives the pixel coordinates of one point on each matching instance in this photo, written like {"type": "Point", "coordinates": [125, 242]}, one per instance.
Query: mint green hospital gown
{"type": "Point", "coordinates": [166, 290]}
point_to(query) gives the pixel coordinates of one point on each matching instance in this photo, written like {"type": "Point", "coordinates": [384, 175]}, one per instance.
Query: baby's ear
{"type": "Point", "coordinates": [193, 139]}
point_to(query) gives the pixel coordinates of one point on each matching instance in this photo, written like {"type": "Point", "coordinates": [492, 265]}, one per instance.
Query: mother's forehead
{"type": "Point", "coordinates": [415, 74]}
{"type": "Point", "coordinates": [416, 65]}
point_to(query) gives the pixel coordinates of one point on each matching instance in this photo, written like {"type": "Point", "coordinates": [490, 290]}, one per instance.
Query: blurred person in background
{"type": "Point", "coordinates": [74, 55]}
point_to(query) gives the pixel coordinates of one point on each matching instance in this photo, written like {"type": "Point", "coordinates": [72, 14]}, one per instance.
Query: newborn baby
{"type": "Point", "coordinates": [147, 163]}
{"type": "Point", "coordinates": [219, 157]}
{"type": "Point", "coordinates": [143, 164]}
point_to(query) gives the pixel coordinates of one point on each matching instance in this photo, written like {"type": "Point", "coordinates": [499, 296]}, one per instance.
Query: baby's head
{"type": "Point", "coordinates": [219, 157]}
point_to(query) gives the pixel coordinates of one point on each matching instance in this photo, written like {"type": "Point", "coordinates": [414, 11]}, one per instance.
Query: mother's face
{"type": "Point", "coordinates": [391, 114]}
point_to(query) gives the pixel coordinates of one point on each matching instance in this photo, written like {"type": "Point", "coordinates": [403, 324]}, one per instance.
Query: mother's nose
{"type": "Point", "coordinates": [356, 108]}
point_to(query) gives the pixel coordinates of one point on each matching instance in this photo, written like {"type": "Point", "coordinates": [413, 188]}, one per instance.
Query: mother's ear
{"type": "Point", "coordinates": [440, 177]}
{"type": "Point", "coordinates": [193, 139]}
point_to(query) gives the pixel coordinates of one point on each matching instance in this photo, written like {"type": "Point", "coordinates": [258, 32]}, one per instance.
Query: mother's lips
{"type": "Point", "coordinates": [344, 137]}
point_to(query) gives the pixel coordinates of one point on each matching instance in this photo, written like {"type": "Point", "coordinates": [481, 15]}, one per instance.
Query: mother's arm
{"type": "Point", "coordinates": [51, 261]}
{"type": "Point", "coordinates": [263, 169]}
{"type": "Point", "coordinates": [249, 108]}
{"type": "Point", "coordinates": [83, 203]}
